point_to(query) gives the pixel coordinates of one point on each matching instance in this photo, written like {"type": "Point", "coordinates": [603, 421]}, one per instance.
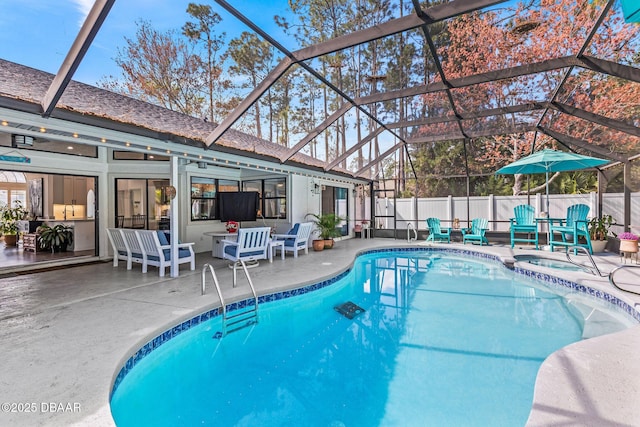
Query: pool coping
{"type": "Point", "coordinates": [155, 340]}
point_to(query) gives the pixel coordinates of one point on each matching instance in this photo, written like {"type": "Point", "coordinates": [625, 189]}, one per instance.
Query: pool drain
{"type": "Point", "coordinates": [349, 309]}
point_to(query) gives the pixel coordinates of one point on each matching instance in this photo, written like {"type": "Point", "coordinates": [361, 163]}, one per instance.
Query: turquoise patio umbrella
{"type": "Point", "coordinates": [548, 160]}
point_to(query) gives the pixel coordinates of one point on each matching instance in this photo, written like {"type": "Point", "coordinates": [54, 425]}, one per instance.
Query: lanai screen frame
{"type": "Point", "coordinates": [420, 19]}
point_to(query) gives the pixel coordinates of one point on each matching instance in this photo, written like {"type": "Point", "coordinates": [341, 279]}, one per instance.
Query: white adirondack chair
{"type": "Point", "coordinates": [296, 239]}
{"type": "Point", "coordinates": [252, 244]}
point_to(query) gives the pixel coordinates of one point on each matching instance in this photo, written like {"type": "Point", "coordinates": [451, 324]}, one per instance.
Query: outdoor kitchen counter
{"type": "Point", "coordinates": [84, 232]}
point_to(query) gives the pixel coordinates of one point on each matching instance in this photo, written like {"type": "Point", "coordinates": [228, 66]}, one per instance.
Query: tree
{"type": "Point", "coordinates": [252, 60]}
{"type": "Point", "coordinates": [159, 68]}
{"type": "Point", "coordinates": [481, 42]}
{"type": "Point", "coordinates": [203, 31]}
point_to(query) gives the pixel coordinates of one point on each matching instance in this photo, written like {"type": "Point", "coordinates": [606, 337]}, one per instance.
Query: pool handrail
{"type": "Point", "coordinates": [410, 228]}
{"type": "Point", "coordinates": [594, 268]}
{"type": "Point", "coordinates": [615, 270]}
{"type": "Point", "coordinates": [250, 320]}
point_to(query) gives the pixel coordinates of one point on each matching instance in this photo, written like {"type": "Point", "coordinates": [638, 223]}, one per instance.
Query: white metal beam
{"type": "Point", "coordinates": [83, 40]}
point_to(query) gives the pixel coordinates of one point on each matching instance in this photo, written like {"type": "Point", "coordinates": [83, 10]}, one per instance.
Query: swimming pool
{"type": "Point", "coordinates": [444, 340]}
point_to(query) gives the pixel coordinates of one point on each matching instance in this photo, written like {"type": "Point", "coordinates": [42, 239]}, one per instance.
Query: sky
{"type": "Point", "coordinates": [39, 33]}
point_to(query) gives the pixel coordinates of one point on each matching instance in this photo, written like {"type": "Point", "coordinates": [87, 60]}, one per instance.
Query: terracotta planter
{"type": "Point", "coordinates": [318, 245]}
{"type": "Point", "coordinates": [10, 239]}
{"type": "Point", "coordinates": [328, 243]}
{"type": "Point", "coordinates": [630, 246]}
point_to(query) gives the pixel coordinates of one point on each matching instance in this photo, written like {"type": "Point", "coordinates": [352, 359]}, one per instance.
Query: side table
{"type": "Point", "coordinates": [30, 242]}
{"type": "Point", "coordinates": [273, 245]}
{"type": "Point", "coordinates": [366, 233]}
{"type": "Point", "coordinates": [624, 255]}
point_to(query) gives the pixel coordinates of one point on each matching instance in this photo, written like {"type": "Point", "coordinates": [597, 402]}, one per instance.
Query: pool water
{"type": "Point", "coordinates": [443, 341]}
{"type": "Point", "coordinates": [550, 263]}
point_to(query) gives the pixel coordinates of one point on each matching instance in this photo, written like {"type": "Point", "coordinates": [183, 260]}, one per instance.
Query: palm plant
{"type": "Point", "coordinates": [327, 225]}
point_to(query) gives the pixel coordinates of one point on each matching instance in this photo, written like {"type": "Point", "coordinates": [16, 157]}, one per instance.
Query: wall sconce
{"type": "Point", "coordinates": [315, 188]}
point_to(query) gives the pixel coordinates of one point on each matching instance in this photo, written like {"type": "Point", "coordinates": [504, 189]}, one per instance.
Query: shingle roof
{"type": "Point", "coordinates": [27, 84]}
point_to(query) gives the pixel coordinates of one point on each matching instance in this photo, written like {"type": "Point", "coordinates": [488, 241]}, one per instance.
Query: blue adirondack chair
{"type": "Point", "coordinates": [524, 221]}
{"type": "Point", "coordinates": [571, 228]}
{"type": "Point", "coordinates": [436, 232]}
{"type": "Point", "coordinates": [479, 227]}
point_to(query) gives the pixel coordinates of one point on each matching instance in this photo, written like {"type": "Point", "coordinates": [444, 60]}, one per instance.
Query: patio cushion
{"type": "Point", "coordinates": [232, 250]}
{"type": "Point", "coordinates": [163, 238]}
{"type": "Point", "coordinates": [181, 253]}
{"type": "Point", "coordinates": [294, 230]}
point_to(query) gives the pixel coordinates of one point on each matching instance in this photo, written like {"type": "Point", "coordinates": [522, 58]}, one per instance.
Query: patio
{"type": "Point", "coordinates": [79, 331]}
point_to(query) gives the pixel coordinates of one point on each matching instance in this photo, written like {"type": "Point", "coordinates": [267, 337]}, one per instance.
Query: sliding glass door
{"type": "Point", "coordinates": [142, 203]}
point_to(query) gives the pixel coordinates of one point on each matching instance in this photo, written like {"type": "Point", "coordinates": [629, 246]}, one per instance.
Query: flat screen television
{"type": "Point", "coordinates": [238, 206]}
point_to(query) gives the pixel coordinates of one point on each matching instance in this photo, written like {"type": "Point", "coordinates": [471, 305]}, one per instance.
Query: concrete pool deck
{"type": "Point", "coordinates": [64, 334]}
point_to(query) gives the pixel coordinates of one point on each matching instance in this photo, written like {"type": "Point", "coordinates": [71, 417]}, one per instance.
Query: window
{"type": "Point", "coordinates": [273, 196]}
{"type": "Point", "coordinates": [204, 196]}
{"type": "Point", "coordinates": [12, 188]}
{"type": "Point", "coordinates": [142, 203]}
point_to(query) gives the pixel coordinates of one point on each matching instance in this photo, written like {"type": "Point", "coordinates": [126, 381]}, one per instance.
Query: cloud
{"type": "Point", "coordinates": [84, 7]}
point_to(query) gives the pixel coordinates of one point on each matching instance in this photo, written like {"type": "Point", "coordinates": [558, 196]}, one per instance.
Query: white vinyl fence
{"type": "Point", "coordinates": [497, 209]}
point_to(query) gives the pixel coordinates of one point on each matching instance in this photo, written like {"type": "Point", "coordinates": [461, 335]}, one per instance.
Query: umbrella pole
{"type": "Point", "coordinates": [547, 182]}
{"type": "Point", "coordinates": [548, 215]}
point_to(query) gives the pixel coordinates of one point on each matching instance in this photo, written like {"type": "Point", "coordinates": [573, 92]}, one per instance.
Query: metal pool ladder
{"type": "Point", "coordinates": [241, 317]}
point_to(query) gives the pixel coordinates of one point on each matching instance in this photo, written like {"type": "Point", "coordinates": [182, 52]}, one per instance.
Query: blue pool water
{"type": "Point", "coordinates": [443, 341]}
{"type": "Point", "coordinates": [550, 263]}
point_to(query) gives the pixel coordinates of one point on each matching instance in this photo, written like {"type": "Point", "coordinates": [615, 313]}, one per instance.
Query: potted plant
{"type": "Point", "coordinates": [628, 242]}
{"type": "Point", "coordinates": [9, 217]}
{"type": "Point", "coordinates": [599, 231]}
{"type": "Point", "coordinates": [56, 238]}
{"type": "Point", "coordinates": [327, 225]}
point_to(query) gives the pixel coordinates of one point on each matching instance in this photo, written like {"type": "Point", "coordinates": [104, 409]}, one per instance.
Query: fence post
{"type": "Point", "coordinates": [491, 212]}
{"type": "Point", "coordinates": [414, 211]}
{"type": "Point", "coordinates": [593, 204]}
{"type": "Point", "coordinates": [539, 204]}
{"type": "Point", "coordinates": [450, 207]}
